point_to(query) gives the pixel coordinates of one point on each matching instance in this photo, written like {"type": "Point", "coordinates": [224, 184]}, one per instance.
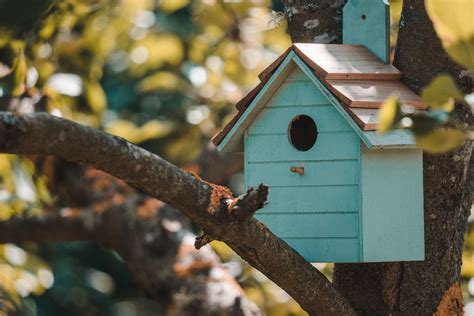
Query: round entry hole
{"type": "Point", "coordinates": [302, 132]}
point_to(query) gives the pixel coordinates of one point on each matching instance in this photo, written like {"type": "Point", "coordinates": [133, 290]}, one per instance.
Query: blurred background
{"type": "Point", "coordinates": [162, 74]}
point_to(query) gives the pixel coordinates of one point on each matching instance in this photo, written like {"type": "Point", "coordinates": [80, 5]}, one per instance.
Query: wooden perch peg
{"type": "Point", "coordinates": [299, 170]}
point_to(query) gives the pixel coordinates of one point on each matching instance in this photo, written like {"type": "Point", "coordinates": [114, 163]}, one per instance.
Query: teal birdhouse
{"type": "Point", "coordinates": [339, 191]}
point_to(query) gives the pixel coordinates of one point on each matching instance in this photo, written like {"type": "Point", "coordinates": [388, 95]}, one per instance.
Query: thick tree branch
{"type": "Point", "coordinates": [206, 204]}
{"type": "Point", "coordinates": [154, 240]}
{"type": "Point", "coordinates": [49, 228]}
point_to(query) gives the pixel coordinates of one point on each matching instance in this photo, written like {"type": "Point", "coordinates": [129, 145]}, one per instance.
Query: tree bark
{"type": "Point", "coordinates": [212, 207]}
{"type": "Point", "coordinates": [312, 21]}
{"type": "Point", "coordinates": [153, 238]}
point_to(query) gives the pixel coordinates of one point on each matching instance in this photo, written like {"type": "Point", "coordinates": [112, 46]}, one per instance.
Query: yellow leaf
{"type": "Point", "coordinates": [467, 269]}
{"type": "Point", "coordinates": [13, 83]}
{"type": "Point", "coordinates": [440, 140]}
{"type": "Point", "coordinates": [170, 6]}
{"type": "Point", "coordinates": [441, 93]}
{"type": "Point", "coordinates": [95, 96]}
{"type": "Point", "coordinates": [133, 133]}
{"type": "Point", "coordinates": [154, 129]}
{"type": "Point", "coordinates": [154, 51]}
{"type": "Point", "coordinates": [389, 115]}
{"type": "Point", "coordinates": [163, 80]}
{"type": "Point", "coordinates": [454, 24]}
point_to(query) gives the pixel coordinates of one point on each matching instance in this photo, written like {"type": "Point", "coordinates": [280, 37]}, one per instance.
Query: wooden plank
{"type": "Point", "coordinates": [392, 217]}
{"type": "Point", "coordinates": [298, 93]}
{"type": "Point", "coordinates": [233, 139]}
{"type": "Point", "coordinates": [399, 138]}
{"type": "Point", "coordinates": [367, 119]}
{"type": "Point", "coordinates": [326, 249]}
{"type": "Point", "coordinates": [331, 61]}
{"type": "Point", "coordinates": [267, 72]}
{"type": "Point", "coordinates": [315, 173]}
{"type": "Point", "coordinates": [371, 94]}
{"type": "Point", "coordinates": [324, 199]}
{"type": "Point", "coordinates": [277, 120]}
{"type": "Point", "coordinates": [277, 147]}
{"type": "Point", "coordinates": [312, 225]}
{"type": "Point", "coordinates": [366, 22]}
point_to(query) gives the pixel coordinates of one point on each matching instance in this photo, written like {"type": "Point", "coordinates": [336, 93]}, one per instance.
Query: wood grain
{"type": "Point", "coordinates": [371, 94]}
{"type": "Point", "coordinates": [345, 62]}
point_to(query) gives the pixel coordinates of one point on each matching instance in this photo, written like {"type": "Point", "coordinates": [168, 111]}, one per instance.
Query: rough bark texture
{"type": "Point", "coordinates": [314, 21]}
{"type": "Point", "coordinates": [212, 207]}
{"type": "Point", "coordinates": [154, 240]}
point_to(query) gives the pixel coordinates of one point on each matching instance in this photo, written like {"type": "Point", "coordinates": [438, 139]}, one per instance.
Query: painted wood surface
{"type": "Point", "coordinates": [399, 138]}
{"type": "Point", "coordinates": [371, 94]}
{"type": "Point", "coordinates": [323, 199]}
{"type": "Point", "coordinates": [396, 139]}
{"type": "Point", "coordinates": [296, 75]}
{"type": "Point", "coordinates": [326, 249]}
{"type": "Point", "coordinates": [345, 62]}
{"type": "Point", "coordinates": [277, 147]}
{"type": "Point", "coordinates": [392, 205]}
{"type": "Point", "coordinates": [233, 141]}
{"type": "Point", "coordinates": [367, 119]}
{"type": "Point", "coordinates": [298, 93]}
{"type": "Point", "coordinates": [315, 173]}
{"type": "Point", "coordinates": [311, 225]}
{"type": "Point", "coordinates": [276, 120]}
{"type": "Point", "coordinates": [366, 22]}
{"type": "Point", "coordinates": [319, 210]}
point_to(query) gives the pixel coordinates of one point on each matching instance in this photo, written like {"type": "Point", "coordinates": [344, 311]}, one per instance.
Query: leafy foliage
{"type": "Point", "coordinates": [456, 31]}
{"type": "Point", "coordinates": [162, 74]}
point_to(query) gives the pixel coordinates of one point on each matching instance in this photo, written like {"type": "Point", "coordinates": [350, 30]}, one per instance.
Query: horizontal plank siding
{"type": "Point", "coordinates": [323, 199]}
{"type": "Point", "coordinates": [317, 213]}
{"type": "Point", "coordinates": [312, 225]}
{"type": "Point", "coordinates": [326, 249]}
{"type": "Point", "coordinates": [315, 173]}
{"type": "Point", "coordinates": [277, 147]}
{"type": "Point", "coordinates": [298, 93]}
{"type": "Point", "coordinates": [277, 120]}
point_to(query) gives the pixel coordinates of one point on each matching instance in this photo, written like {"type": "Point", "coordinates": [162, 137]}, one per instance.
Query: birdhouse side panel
{"type": "Point", "coordinates": [392, 205]}
{"type": "Point", "coordinates": [316, 212]}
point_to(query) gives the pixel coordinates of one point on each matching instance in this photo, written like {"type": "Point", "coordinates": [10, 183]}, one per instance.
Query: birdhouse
{"type": "Point", "coordinates": [339, 191]}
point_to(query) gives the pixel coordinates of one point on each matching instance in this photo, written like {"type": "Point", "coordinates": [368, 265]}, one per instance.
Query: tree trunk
{"type": "Point", "coordinates": [431, 286]}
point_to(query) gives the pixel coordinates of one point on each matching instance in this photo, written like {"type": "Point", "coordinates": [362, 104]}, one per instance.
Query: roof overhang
{"type": "Point", "coordinates": [233, 140]}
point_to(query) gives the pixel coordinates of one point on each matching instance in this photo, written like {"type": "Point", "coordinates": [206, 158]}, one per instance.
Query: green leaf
{"type": "Point", "coordinates": [389, 115]}
{"type": "Point", "coordinates": [441, 93]}
{"type": "Point", "coordinates": [426, 122]}
{"type": "Point", "coordinates": [440, 140]}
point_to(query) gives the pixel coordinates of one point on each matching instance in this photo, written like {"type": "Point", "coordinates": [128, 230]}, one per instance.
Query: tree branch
{"type": "Point", "coordinates": [48, 228]}
{"type": "Point", "coordinates": [205, 204]}
{"type": "Point", "coordinates": [153, 238]}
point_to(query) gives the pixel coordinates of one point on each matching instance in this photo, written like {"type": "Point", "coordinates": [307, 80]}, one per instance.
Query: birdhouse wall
{"type": "Point", "coordinates": [317, 212]}
{"type": "Point", "coordinates": [392, 205]}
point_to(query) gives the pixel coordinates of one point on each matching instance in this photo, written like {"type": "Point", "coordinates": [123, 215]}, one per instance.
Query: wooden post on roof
{"type": "Point", "coordinates": [367, 22]}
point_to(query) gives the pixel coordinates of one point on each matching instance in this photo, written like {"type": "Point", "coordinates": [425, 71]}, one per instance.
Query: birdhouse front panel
{"type": "Point", "coordinates": [314, 199]}
{"type": "Point", "coordinates": [339, 191]}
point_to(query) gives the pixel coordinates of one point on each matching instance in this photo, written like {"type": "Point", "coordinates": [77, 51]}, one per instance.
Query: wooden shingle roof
{"type": "Point", "coordinates": [356, 77]}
